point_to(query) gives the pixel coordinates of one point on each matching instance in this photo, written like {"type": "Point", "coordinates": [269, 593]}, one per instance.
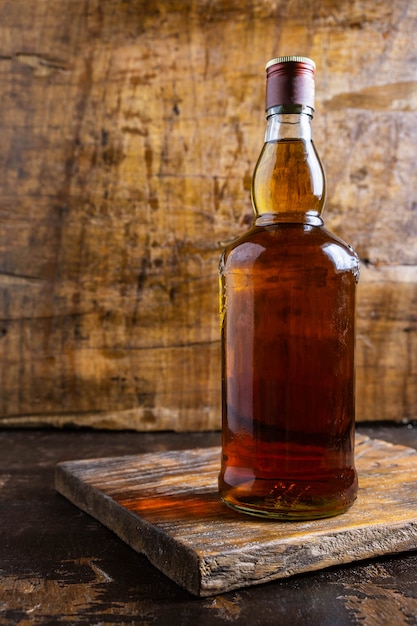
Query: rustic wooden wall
{"type": "Point", "coordinates": [129, 131]}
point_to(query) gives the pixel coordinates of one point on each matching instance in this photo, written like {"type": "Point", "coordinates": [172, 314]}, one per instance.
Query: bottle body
{"type": "Point", "coordinates": [288, 291]}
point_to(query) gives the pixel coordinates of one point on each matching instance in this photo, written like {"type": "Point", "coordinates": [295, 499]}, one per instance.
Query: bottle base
{"type": "Point", "coordinates": [292, 500]}
{"type": "Point", "coordinates": [286, 514]}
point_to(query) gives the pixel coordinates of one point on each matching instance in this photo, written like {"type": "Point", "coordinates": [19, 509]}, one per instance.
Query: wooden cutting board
{"type": "Point", "coordinates": [165, 505]}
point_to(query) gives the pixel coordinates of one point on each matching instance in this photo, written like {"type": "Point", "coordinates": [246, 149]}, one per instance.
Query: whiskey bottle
{"type": "Point", "coordinates": [287, 289]}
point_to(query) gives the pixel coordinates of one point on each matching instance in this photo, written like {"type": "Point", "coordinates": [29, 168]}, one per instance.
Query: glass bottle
{"type": "Point", "coordinates": [288, 328]}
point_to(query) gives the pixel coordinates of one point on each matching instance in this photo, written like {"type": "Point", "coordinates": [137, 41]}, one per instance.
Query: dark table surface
{"type": "Point", "coordinates": [59, 566]}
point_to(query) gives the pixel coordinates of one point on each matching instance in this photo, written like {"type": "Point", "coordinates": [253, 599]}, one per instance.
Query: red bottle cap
{"type": "Point", "coordinates": [290, 81]}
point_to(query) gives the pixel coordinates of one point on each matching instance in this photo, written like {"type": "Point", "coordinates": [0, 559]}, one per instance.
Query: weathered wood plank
{"type": "Point", "coordinates": [129, 134]}
{"type": "Point", "coordinates": [58, 565]}
{"type": "Point", "coordinates": [166, 505]}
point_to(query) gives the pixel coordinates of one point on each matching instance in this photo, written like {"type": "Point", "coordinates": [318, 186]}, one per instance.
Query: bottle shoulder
{"type": "Point", "coordinates": [300, 244]}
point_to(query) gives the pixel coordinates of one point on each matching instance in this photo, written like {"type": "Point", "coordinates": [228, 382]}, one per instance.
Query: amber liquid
{"type": "Point", "coordinates": [288, 309]}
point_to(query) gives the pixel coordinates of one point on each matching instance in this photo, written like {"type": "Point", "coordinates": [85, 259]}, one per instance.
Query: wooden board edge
{"type": "Point", "coordinates": [373, 542]}
{"type": "Point", "coordinates": [136, 532]}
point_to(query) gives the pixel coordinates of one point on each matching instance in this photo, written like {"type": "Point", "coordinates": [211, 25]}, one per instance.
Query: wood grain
{"type": "Point", "coordinates": [129, 134]}
{"type": "Point", "coordinates": [166, 505]}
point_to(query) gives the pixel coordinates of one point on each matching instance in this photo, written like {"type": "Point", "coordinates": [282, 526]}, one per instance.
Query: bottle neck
{"type": "Point", "coordinates": [283, 125]}
{"type": "Point", "coordinates": [288, 184]}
